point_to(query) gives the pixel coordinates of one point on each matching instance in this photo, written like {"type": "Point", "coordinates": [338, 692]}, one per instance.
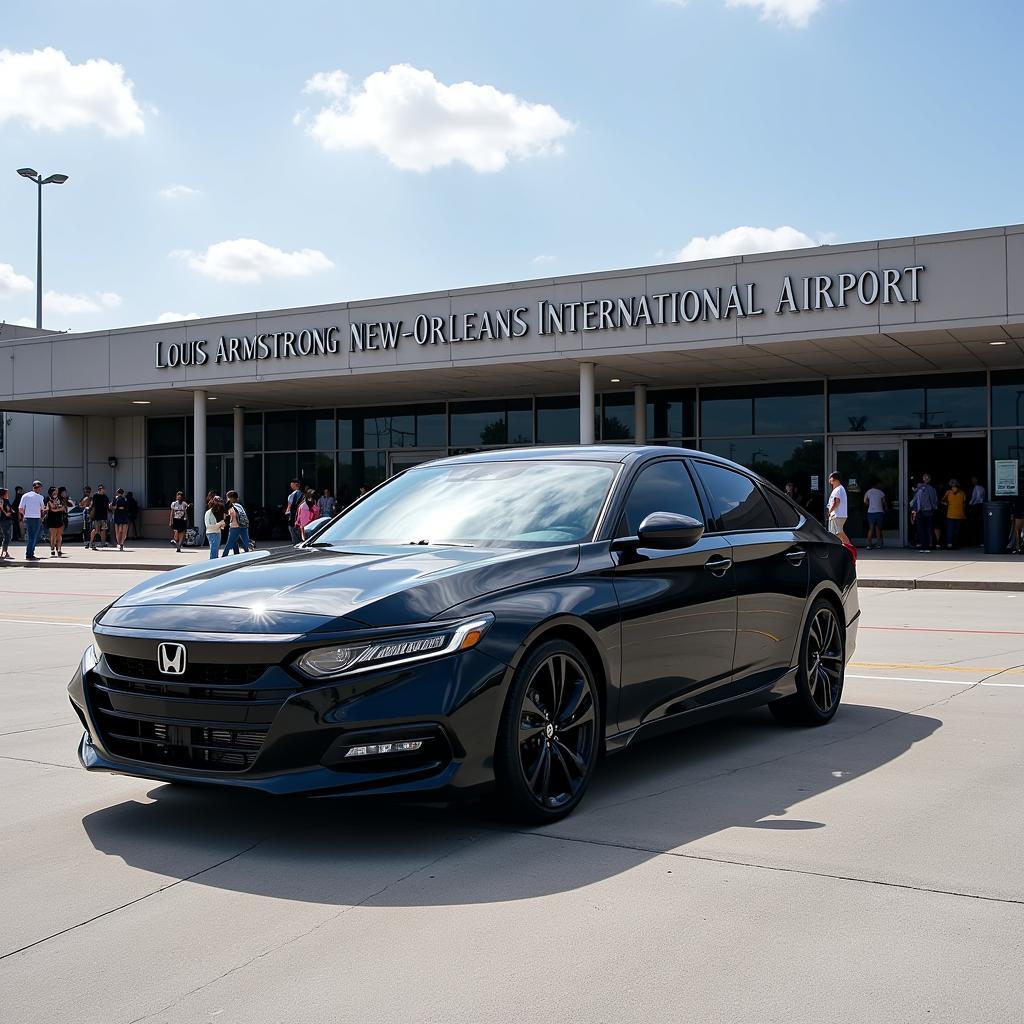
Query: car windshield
{"type": "Point", "coordinates": [480, 503]}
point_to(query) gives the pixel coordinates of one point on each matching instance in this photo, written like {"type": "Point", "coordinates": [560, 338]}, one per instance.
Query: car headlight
{"type": "Point", "coordinates": [90, 659]}
{"type": "Point", "coordinates": [345, 659]}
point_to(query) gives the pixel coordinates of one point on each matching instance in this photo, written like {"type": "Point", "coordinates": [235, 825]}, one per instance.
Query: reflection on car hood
{"type": "Point", "coordinates": [304, 589]}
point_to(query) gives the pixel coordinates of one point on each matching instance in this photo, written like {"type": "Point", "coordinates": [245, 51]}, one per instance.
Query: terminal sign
{"type": "Point", "coordinates": [664, 309]}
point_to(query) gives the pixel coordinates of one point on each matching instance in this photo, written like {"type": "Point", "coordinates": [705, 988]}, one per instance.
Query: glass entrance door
{"type": "Point", "coordinates": [860, 468]}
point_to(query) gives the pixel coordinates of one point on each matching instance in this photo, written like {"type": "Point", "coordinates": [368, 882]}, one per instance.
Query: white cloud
{"type": "Point", "coordinates": [179, 192]}
{"type": "Point", "coordinates": [13, 283]}
{"type": "Point", "coordinates": [543, 258]}
{"type": "Point", "coordinates": [792, 12]}
{"type": "Point", "coordinates": [248, 261]}
{"type": "Point", "coordinates": [45, 90]}
{"type": "Point", "coordinates": [419, 123]}
{"type": "Point", "coordinates": [173, 318]}
{"type": "Point", "coordinates": [331, 83]}
{"type": "Point", "coordinates": [96, 302]}
{"type": "Point", "coordinates": [737, 241]}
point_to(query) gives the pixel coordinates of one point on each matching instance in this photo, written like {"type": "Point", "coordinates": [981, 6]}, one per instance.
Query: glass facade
{"type": "Point", "coordinates": [780, 430]}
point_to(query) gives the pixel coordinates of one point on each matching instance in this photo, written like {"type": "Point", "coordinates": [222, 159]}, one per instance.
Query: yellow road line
{"type": "Point", "coordinates": [983, 669]}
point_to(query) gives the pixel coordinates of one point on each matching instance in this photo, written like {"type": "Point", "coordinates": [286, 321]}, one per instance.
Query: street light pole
{"type": "Point", "coordinates": [40, 181]}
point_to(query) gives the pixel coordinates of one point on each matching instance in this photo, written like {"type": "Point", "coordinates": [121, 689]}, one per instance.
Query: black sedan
{"type": "Point", "coordinates": [493, 622]}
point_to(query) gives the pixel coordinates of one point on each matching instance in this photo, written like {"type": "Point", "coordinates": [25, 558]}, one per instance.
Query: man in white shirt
{"type": "Point", "coordinates": [31, 511]}
{"type": "Point", "coordinates": [874, 501]}
{"type": "Point", "coordinates": [838, 509]}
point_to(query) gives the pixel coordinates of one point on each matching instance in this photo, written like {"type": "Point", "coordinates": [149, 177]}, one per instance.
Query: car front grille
{"type": "Point", "coordinates": [214, 718]}
{"type": "Point", "coordinates": [141, 668]}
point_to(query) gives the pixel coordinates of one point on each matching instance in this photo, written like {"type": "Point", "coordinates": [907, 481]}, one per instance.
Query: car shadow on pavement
{"type": "Point", "coordinates": [664, 795]}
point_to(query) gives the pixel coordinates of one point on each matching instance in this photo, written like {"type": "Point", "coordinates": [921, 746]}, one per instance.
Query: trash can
{"type": "Point", "coordinates": [996, 528]}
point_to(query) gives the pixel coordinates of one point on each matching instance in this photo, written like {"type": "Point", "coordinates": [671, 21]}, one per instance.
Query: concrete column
{"type": "Point", "coordinates": [640, 413]}
{"type": "Point", "coordinates": [238, 477]}
{"type": "Point", "coordinates": [586, 403]}
{"type": "Point", "coordinates": [198, 458]}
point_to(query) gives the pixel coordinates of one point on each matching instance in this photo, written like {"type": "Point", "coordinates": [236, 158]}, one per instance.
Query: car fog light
{"type": "Point", "coordinates": [395, 747]}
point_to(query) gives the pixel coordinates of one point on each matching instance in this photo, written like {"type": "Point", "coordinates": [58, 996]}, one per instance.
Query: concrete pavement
{"type": "Point", "coordinates": [870, 870]}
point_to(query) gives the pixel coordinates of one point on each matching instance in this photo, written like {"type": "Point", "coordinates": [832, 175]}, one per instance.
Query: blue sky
{"type": "Point", "coordinates": [625, 130]}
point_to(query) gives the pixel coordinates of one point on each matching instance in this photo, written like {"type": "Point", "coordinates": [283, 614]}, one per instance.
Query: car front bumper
{"type": "Point", "coordinates": [298, 744]}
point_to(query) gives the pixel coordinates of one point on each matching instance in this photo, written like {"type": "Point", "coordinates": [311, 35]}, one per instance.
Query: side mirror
{"type": "Point", "coordinates": [316, 526]}
{"type": "Point", "coordinates": [668, 531]}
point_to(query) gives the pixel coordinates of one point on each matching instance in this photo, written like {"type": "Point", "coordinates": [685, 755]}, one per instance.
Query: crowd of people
{"type": "Point", "coordinates": [32, 514]}
{"type": "Point", "coordinates": [109, 521]}
{"type": "Point", "coordinates": [955, 518]}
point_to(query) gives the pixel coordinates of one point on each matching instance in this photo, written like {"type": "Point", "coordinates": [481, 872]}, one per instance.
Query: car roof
{"type": "Point", "coordinates": [583, 453]}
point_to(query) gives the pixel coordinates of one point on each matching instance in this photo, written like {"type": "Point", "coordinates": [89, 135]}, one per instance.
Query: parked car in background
{"type": "Point", "coordinates": [76, 522]}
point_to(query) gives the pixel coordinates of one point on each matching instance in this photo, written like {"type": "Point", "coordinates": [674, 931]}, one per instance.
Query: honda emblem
{"type": "Point", "coordinates": [170, 659]}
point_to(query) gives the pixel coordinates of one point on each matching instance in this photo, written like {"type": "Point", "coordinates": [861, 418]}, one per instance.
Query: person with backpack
{"type": "Point", "coordinates": [238, 529]}
{"type": "Point", "coordinates": [133, 515]}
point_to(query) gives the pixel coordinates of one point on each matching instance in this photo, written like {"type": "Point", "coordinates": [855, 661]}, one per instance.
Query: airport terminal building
{"type": "Point", "coordinates": [884, 359]}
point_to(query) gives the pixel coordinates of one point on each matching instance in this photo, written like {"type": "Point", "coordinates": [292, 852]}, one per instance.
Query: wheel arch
{"type": "Point", "coordinates": [580, 635]}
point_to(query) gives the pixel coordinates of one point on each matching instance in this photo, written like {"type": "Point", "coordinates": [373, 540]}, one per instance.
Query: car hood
{"type": "Point", "coordinates": [301, 590]}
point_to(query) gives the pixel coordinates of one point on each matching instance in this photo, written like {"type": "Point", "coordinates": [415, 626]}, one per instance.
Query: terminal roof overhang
{"type": "Point", "coordinates": [970, 317]}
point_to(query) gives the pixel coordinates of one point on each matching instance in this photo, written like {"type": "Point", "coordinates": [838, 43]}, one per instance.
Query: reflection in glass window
{"type": "Point", "coordinates": [660, 487]}
{"type": "Point", "coordinates": [359, 469]}
{"type": "Point", "coordinates": [789, 409]}
{"type": "Point", "coordinates": [722, 416]}
{"type": "Point", "coordinates": [960, 406]}
{"type": "Point", "coordinates": [796, 461]}
{"type": "Point", "coordinates": [279, 469]}
{"type": "Point", "coordinates": [1008, 398]}
{"type": "Point", "coordinates": [558, 420]}
{"type": "Point", "coordinates": [939, 401]}
{"type": "Point", "coordinates": [496, 503]}
{"type": "Point", "coordinates": [164, 477]}
{"type": "Point", "coordinates": [491, 423]}
{"type": "Point", "coordinates": [763, 409]}
{"type": "Point", "coordinates": [405, 426]}
{"type": "Point", "coordinates": [280, 431]}
{"type": "Point", "coordinates": [315, 430]}
{"type": "Point", "coordinates": [617, 421]}
{"type": "Point", "coordinates": [220, 435]}
{"type": "Point", "coordinates": [670, 413]}
{"type": "Point", "coordinates": [165, 436]}
{"type": "Point", "coordinates": [736, 501]}
{"type": "Point", "coordinates": [254, 432]}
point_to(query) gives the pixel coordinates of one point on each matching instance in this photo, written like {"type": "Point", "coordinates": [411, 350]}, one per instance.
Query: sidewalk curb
{"type": "Point", "coordinates": [991, 585]}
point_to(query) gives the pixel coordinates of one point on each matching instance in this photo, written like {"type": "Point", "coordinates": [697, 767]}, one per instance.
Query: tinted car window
{"type": "Point", "coordinates": [661, 487]}
{"type": "Point", "coordinates": [735, 499]}
{"type": "Point", "coordinates": [786, 514]}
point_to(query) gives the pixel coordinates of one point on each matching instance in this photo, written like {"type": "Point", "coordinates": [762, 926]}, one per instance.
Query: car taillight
{"type": "Point", "coordinates": [853, 552]}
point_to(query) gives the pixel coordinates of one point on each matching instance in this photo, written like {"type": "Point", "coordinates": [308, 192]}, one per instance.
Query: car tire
{"type": "Point", "coordinates": [549, 735]}
{"type": "Point", "coordinates": [821, 673]}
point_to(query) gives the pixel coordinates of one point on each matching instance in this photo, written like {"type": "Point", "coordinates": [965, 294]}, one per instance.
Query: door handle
{"type": "Point", "coordinates": [718, 566]}
{"type": "Point", "coordinates": [796, 557]}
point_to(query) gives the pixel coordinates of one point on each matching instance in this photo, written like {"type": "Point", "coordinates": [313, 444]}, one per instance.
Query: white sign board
{"type": "Point", "coordinates": [1006, 478]}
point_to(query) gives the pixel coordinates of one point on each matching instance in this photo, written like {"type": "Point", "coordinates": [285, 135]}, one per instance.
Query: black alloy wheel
{"type": "Point", "coordinates": [548, 738]}
{"type": "Point", "coordinates": [822, 670]}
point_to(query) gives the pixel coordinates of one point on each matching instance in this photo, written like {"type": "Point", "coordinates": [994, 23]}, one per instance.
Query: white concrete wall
{"type": "Point", "coordinates": [47, 448]}
{"type": "Point", "coordinates": [74, 451]}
